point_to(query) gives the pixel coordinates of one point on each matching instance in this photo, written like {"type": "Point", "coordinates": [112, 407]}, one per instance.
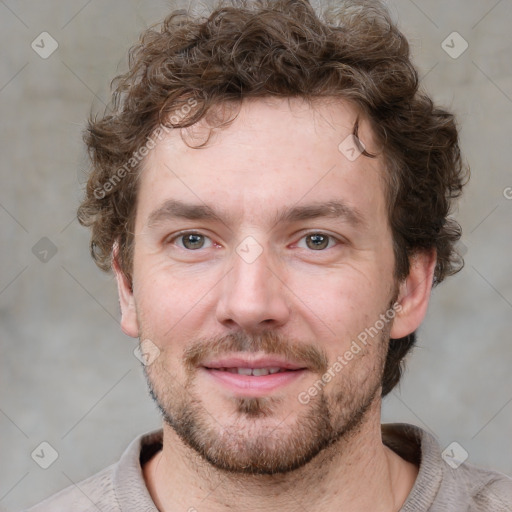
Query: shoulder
{"type": "Point", "coordinates": [446, 481]}
{"type": "Point", "coordinates": [488, 491]}
{"type": "Point", "coordinates": [89, 495]}
{"type": "Point", "coordinates": [118, 487]}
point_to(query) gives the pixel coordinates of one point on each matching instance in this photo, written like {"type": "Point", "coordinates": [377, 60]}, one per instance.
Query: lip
{"type": "Point", "coordinates": [246, 362]}
{"type": "Point", "coordinates": [252, 385]}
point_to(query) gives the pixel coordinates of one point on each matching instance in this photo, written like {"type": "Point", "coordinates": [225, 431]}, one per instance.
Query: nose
{"type": "Point", "coordinates": [253, 295]}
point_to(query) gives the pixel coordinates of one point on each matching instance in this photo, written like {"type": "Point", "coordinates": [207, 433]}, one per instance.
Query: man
{"type": "Point", "coordinates": [272, 192]}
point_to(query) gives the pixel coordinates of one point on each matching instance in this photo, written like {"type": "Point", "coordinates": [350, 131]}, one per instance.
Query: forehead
{"type": "Point", "coordinates": [277, 153]}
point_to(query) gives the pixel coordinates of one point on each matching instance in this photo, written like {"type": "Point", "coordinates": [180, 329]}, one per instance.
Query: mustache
{"type": "Point", "coordinates": [268, 342]}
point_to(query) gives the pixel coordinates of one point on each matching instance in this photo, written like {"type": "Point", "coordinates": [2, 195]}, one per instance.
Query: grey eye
{"type": "Point", "coordinates": [317, 241]}
{"type": "Point", "coordinates": [192, 241]}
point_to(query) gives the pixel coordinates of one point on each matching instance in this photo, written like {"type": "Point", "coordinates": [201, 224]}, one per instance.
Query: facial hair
{"type": "Point", "coordinates": [254, 442]}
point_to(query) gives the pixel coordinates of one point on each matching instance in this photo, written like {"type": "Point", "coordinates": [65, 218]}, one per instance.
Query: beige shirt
{"type": "Point", "coordinates": [439, 487]}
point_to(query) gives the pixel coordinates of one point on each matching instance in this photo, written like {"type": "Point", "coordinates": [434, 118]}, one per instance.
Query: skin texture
{"type": "Point", "coordinates": [265, 449]}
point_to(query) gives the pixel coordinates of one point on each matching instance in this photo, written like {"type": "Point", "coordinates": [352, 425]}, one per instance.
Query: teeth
{"type": "Point", "coordinates": [256, 372]}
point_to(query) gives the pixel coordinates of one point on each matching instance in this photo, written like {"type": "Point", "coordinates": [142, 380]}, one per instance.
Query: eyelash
{"type": "Point", "coordinates": [184, 233]}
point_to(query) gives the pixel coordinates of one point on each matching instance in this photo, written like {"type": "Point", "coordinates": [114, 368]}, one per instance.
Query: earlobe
{"type": "Point", "coordinates": [414, 294]}
{"type": "Point", "coordinates": [129, 322]}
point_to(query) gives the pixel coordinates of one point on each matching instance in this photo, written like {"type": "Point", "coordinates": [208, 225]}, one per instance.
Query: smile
{"type": "Point", "coordinates": [256, 372]}
{"type": "Point", "coordinates": [252, 378]}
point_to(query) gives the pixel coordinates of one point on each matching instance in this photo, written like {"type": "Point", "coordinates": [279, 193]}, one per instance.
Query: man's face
{"type": "Point", "coordinates": [273, 283]}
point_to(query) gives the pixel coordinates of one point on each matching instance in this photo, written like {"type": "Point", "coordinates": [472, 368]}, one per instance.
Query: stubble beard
{"type": "Point", "coordinates": [256, 442]}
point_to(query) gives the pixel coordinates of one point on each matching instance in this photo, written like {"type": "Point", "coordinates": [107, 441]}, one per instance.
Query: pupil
{"type": "Point", "coordinates": [193, 241]}
{"type": "Point", "coordinates": [318, 241]}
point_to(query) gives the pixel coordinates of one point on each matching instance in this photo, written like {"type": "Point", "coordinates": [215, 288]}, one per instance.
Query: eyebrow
{"type": "Point", "coordinates": [176, 209]}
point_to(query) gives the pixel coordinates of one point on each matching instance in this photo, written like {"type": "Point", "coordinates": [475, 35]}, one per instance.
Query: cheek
{"type": "Point", "coordinates": [344, 311]}
{"type": "Point", "coordinates": [169, 302]}
{"type": "Point", "coordinates": [343, 297]}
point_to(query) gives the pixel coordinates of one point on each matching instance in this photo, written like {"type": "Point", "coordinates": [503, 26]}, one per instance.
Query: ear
{"type": "Point", "coordinates": [414, 294]}
{"type": "Point", "coordinates": [129, 322]}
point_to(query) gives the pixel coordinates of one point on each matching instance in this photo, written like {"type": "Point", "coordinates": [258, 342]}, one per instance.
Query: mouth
{"type": "Point", "coordinates": [255, 372]}
{"type": "Point", "coordinates": [253, 377]}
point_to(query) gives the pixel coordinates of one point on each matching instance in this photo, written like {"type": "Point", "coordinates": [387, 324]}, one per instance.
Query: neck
{"type": "Point", "coordinates": [358, 473]}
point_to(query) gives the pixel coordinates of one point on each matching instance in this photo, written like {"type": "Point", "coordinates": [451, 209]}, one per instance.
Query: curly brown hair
{"type": "Point", "coordinates": [282, 48]}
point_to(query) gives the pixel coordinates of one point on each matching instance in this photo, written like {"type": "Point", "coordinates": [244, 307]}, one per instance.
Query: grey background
{"type": "Point", "coordinates": [68, 374]}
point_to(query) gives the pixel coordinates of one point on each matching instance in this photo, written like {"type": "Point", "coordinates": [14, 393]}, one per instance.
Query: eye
{"type": "Point", "coordinates": [191, 240]}
{"type": "Point", "coordinates": [318, 241]}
